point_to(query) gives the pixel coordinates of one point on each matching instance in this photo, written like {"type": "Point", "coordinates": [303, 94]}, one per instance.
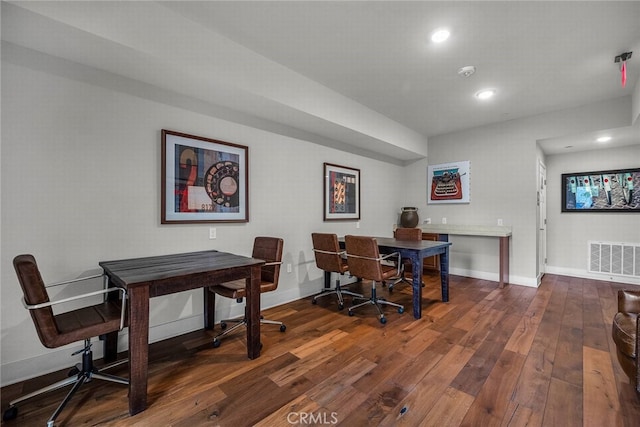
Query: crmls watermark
{"type": "Point", "coordinates": [312, 418]}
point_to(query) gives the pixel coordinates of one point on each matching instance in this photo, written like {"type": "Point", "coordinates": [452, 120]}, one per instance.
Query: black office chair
{"type": "Point", "coordinates": [329, 257]}
{"type": "Point", "coordinates": [365, 262]}
{"type": "Point", "coordinates": [57, 330]}
{"type": "Point", "coordinates": [265, 248]}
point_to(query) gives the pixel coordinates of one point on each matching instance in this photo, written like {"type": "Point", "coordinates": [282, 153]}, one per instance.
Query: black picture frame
{"type": "Point", "coordinates": [612, 191]}
{"type": "Point", "coordinates": [203, 180]}
{"type": "Point", "coordinates": [341, 193]}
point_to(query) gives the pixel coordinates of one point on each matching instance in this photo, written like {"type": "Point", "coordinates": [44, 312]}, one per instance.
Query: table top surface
{"type": "Point", "coordinates": [138, 270]}
{"type": "Point", "coordinates": [390, 242]}
{"type": "Point", "coordinates": [410, 244]}
{"type": "Point", "coordinates": [468, 230]}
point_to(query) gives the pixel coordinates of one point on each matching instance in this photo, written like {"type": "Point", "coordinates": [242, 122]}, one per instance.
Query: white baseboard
{"type": "Point", "coordinates": [574, 272]}
{"type": "Point", "coordinates": [494, 277]}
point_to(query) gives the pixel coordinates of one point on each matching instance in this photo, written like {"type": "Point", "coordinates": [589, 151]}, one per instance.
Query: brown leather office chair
{"type": "Point", "coordinates": [329, 257]}
{"type": "Point", "coordinates": [57, 330]}
{"type": "Point", "coordinates": [365, 262]}
{"type": "Point", "coordinates": [268, 249]}
{"type": "Point", "coordinates": [626, 334]}
{"type": "Point", "coordinates": [403, 233]}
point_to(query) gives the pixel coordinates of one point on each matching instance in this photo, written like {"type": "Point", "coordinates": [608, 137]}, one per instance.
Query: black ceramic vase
{"type": "Point", "coordinates": [409, 217]}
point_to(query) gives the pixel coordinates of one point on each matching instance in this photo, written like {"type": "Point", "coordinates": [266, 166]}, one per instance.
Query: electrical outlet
{"type": "Point", "coordinates": [212, 233]}
{"type": "Point", "coordinates": [444, 220]}
{"type": "Point", "coordinates": [358, 224]}
{"type": "Point", "coordinates": [288, 268]}
{"type": "Point", "coordinates": [499, 221]}
{"type": "Point", "coordinates": [427, 221]}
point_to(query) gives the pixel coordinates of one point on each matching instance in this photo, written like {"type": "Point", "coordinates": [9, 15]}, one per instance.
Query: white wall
{"type": "Point", "coordinates": [568, 233]}
{"type": "Point", "coordinates": [80, 177]}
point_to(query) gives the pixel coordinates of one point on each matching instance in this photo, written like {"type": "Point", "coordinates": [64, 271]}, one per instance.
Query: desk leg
{"type": "Point", "coordinates": [416, 269]}
{"type": "Point", "coordinates": [252, 312]}
{"type": "Point", "coordinates": [209, 308]}
{"type": "Point", "coordinates": [110, 347]}
{"type": "Point", "coordinates": [504, 261]}
{"type": "Point", "coordinates": [444, 274]}
{"type": "Point", "coordinates": [138, 348]}
{"type": "Point", "coordinates": [444, 268]}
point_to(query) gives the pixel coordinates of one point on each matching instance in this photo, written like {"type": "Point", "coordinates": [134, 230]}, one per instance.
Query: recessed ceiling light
{"type": "Point", "coordinates": [485, 94]}
{"type": "Point", "coordinates": [604, 139]}
{"type": "Point", "coordinates": [440, 35]}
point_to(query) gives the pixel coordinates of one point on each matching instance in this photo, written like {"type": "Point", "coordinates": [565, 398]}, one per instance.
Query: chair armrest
{"type": "Point", "coordinates": [77, 297]}
{"type": "Point", "coordinates": [330, 252]}
{"type": "Point", "coordinates": [629, 301]}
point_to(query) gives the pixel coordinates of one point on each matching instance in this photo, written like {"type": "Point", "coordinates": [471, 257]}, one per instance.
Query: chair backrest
{"type": "Point", "coordinates": [269, 249]}
{"type": "Point", "coordinates": [35, 292]}
{"type": "Point", "coordinates": [327, 252]}
{"type": "Point", "coordinates": [363, 257]}
{"type": "Point", "coordinates": [403, 233]}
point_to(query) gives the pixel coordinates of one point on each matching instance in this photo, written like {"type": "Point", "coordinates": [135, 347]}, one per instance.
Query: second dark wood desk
{"type": "Point", "coordinates": [144, 278]}
{"type": "Point", "coordinates": [416, 251]}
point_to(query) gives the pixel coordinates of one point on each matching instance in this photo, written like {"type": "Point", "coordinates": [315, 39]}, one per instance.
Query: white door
{"type": "Point", "coordinates": [542, 220]}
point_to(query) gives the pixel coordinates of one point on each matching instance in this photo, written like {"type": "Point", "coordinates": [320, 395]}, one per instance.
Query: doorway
{"type": "Point", "coordinates": [542, 220]}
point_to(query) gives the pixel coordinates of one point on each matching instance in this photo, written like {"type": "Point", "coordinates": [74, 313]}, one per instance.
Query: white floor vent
{"type": "Point", "coordinates": [614, 258]}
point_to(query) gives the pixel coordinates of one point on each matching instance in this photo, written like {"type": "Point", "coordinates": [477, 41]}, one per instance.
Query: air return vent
{"type": "Point", "coordinates": [614, 258]}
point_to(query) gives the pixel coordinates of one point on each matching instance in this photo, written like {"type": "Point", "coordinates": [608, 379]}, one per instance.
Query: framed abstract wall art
{"type": "Point", "coordinates": [449, 183]}
{"type": "Point", "coordinates": [203, 180]}
{"type": "Point", "coordinates": [615, 190]}
{"type": "Point", "coordinates": [341, 192]}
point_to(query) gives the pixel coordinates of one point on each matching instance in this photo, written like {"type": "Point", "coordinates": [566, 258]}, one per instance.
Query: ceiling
{"type": "Point", "coordinates": [331, 66]}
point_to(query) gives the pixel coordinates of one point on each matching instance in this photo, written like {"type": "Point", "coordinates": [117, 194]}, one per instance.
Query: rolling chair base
{"type": "Point", "coordinates": [78, 375]}
{"type": "Point", "coordinates": [239, 323]}
{"type": "Point", "coordinates": [376, 302]}
{"type": "Point", "coordinates": [338, 291]}
{"type": "Point", "coordinates": [400, 280]}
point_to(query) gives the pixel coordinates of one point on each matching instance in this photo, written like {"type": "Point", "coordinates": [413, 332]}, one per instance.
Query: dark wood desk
{"type": "Point", "coordinates": [149, 277]}
{"type": "Point", "coordinates": [416, 251]}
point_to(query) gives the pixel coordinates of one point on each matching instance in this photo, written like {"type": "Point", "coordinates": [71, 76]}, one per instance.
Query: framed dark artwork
{"type": "Point", "coordinates": [341, 192]}
{"type": "Point", "coordinates": [601, 191]}
{"type": "Point", "coordinates": [203, 180]}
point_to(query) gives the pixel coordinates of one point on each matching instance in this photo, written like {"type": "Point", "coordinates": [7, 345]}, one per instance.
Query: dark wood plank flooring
{"type": "Point", "coordinates": [516, 356]}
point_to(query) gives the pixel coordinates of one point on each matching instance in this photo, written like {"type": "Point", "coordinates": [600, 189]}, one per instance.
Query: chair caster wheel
{"type": "Point", "coordinates": [401, 310]}
{"type": "Point", "coordinates": [314, 302]}
{"type": "Point", "coordinates": [10, 413]}
{"type": "Point", "coordinates": [73, 372]}
{"type": "Point", "coordinates": [340, 306]}
{"type": "Point", "coordinates": [216, 343]}
{"type": "Point", "coordinates": [283, 328]}
{"type": "Point", "coordinates": [350, 313]}
{"type": "Point", "coordinates": [383, 320]}
{"type": "Point", "coordinates": [223, 325]}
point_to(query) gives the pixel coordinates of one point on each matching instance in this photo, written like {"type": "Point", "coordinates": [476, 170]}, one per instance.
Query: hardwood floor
{"type": "Point", "coordinates": [516, 356]}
